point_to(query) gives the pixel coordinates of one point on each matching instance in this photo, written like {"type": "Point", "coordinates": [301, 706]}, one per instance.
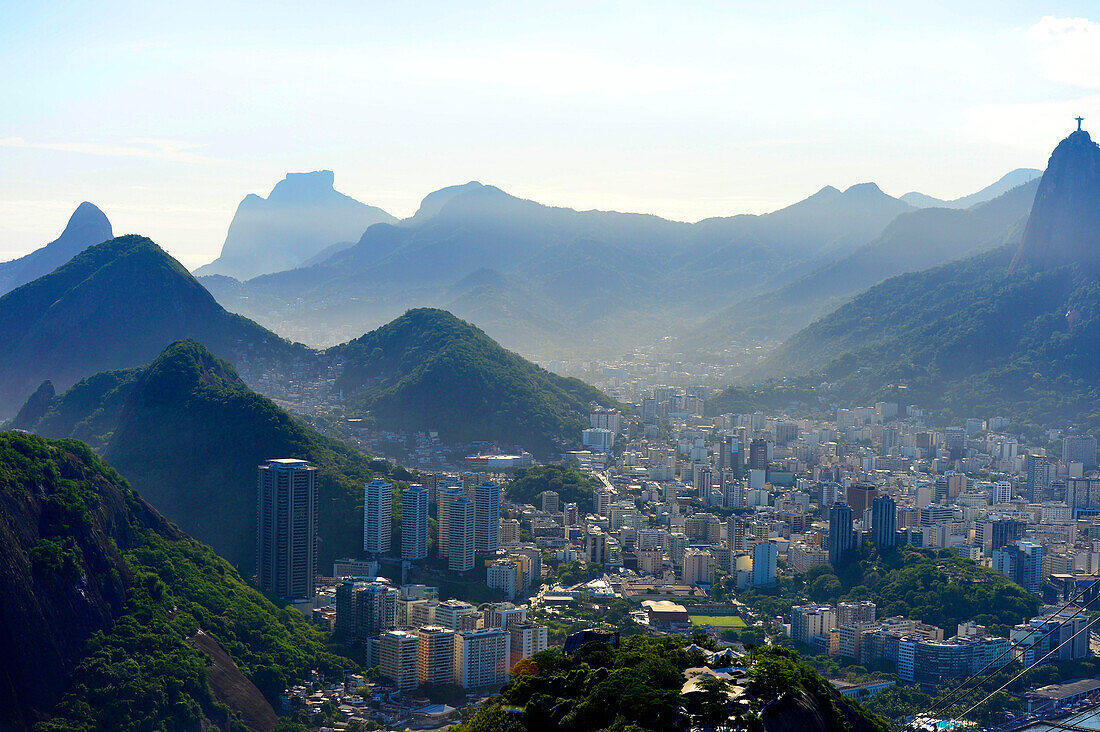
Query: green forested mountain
{"type": "Point", "coordinates": [188, 434]}
{"type": "Point", "coordinates": [116, 305]}
{"type": "Point", "coordinates": [1011, 332]}
{"type": "Point", "coordinates": [938, 588]}
{"type": "Point", "coordinates": [112, 618]}
{"type": "Point", "coordinates": [428, 370]}
{"type": "Point", "coordinates": [970, 338]}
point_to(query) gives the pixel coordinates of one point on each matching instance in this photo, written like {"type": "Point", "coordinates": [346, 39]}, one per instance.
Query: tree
{"type": "Point", "coordinates": [710, 703]}
{"type": "Point", "coordinates": [774, 675]}
{"type": "Point", "coordinates": [525, 667]}
{"type": "Point", "coordinates": [753, 636]}
{"type": "Point", "coordinates": [825, 588]}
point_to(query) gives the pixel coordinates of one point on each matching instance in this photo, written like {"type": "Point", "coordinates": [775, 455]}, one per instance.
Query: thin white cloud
{"type": "Point", "coordinates": [1068, 49]}
{"type": "Point", "coordinates": [148, 148]}
{"type": "Point", "coordinates": [1068, 52]}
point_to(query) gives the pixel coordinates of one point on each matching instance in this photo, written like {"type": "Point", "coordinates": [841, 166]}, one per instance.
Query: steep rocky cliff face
{"type": "Point", "coordinates": [802, 711]}
{"type": "Point", "coordinates": [1064, 226]}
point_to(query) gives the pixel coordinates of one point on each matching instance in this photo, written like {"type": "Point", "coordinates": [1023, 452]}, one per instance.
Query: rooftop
{"type": "Point", "coordinates": [1070, 688]}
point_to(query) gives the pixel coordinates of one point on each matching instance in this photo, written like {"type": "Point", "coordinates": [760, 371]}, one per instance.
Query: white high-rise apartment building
{"type": "Point", "coordinates": [604, 418]}
{"type": "Point", "coordinates": [505, 575]}
{"type": "Point", "coordinates": [446, 496]}
{"type": "Point", "coordinates": [286, 536]}
{"type": "Point", "coordinates": [414, 523]}
{"type": "Point", "coordinates": [449, 614]}
{"type": "Point", "coordinates": [377, 516]}
{"type": "Point", "coordinates": [526, 639]}
{"type": "Point", "coordinates": [487, 517]}
{"type": "Point", "coordinates": [460, 535]}
{"type": "Point", "coordinates": [481, 658]}
{"type": "Point", "coordinates": [436, 655]}
{"type": "Point", "coordinates": [698, 567]}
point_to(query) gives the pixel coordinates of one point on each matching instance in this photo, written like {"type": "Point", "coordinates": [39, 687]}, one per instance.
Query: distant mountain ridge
{"type": "Point", "coordinates": [1007, 182]}
{"type": "Point", "coordinates": [913, 241]}
{"type": "Point", "coordinates": [87, 226]}
{"type": "Point", "coordinates": [119, 304]}
{"type": "Point", "coordinates": [303, 215]}
{"type": "Point", "coordinates": [1014, 331]}
{"type": "Point", "coordinates": [596, 271]}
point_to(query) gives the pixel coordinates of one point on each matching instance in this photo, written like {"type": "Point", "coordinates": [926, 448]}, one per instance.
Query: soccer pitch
{"type": "Point", "coordinates": [719, 621]}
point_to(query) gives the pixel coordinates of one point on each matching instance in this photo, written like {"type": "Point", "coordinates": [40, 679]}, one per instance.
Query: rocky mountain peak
{"type": "Point", "coordinates": [1064, 226]}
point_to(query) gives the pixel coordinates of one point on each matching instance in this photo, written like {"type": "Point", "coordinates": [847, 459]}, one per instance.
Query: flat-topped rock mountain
{"type": "Point", "coordinates": [303, 215]}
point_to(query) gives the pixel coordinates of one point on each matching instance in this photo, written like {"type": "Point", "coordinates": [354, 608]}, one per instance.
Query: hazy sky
{"type": "Point", "coordinates": [166, 117]}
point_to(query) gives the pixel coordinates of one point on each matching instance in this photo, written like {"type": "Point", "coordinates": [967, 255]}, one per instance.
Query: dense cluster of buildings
{"type": "Point", "coordinates": [725, 488]}
{"type": "Point", "coordinates": [920, 653]}
{"type": "Point", "coordinates": [689, 505]}
{"type": "Point", "coordinates": [416, 639]}
{"type": "Point", "coordinates": [749, 497]}
{"type": "Point", "coordinates": [413, 636]}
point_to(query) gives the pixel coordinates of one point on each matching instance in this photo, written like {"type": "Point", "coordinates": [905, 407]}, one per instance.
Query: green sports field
{"type": "Point", "coordinates": [719, 621]}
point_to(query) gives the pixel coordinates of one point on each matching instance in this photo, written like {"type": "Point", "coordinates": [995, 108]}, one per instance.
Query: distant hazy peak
{"type": "Point", "coordinates": [86, 227]}
{"type": "Point", "coordinates": [434, 202]}
{"type": "Point", "coordinates": [1005, 183]}
{"type": "Point", "coordinates": [1019, 176]}
{"type": "Point", "coordinates": [922, 200]}
{"type": "Point", "coordinates": [864, 189]}
{"type": "Point", "coordinates": [826, 192]}
{"type": "Point", "coordinates": [303, 216]}
{"type": "Point", "coordinates": [88, 214]}
{"type": "Point", "coordinates": [297, 186]}
{"type": "Point", "coordinates": [855, 193]}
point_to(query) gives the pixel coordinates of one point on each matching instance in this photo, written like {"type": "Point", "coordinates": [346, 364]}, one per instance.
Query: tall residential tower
{"type": "Point", "coordinates": [377, 517]}
{"type": "Point", "coordinates": [414, 522]}
{"type": "Point", "coordinates": [286, 528]}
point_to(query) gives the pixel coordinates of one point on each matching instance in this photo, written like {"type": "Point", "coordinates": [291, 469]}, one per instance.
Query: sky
{"type": "Point", "coordinates": [167, 115]}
